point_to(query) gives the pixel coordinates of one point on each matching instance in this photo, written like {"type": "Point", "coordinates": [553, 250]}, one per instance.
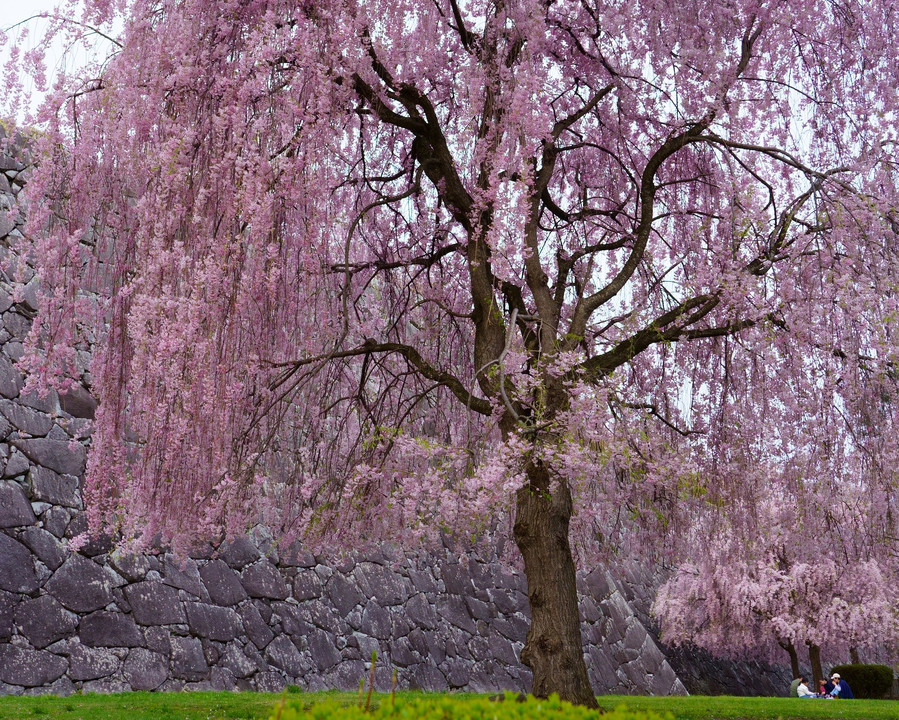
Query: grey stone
{"type": "Point", "coordinates": [239, 553]}
{"type": "Point", "coordinates": [132, 567]}
{"type": "Point", "coordinates": [222, 679]}
{"type": "Point", "coordinates": [342, 594]}
{"type": "Point", "coordinates": [66, 458]}
{"type": "Point", "coordinates": [184, 576]}
{"type": "Point", "coordinates": [145, 670]}
{"type": "Point", "coordinates": [7, 615]}
{"type": "Point", "coordinates": [29, 668]}
{"type": "Point", "coordinates": [213, 622]}
{"type": "Point", "coordinates": [262, 580]}
{"type": "Point", "coordinates": [291, 618]}
{"type": "Point", "coordinates": [11, 380]}
{"type": "Point", "coordinates": [157, 640]}
{"type": "Point", "coordinates": [376, 622]}
{"type": "Point", "coordinates": [78, 402]}
{"type": "Point", "coordinates": [15, 510]}
{"type": "Point", "coordinates": [386, 587]}
{"type": "Point", "coordinates": [423, 581]}
{"type": "Point", "coordinates": [295, 556]}
{"type": "Point", "coordinates": [283, 654]}
{"type": "Point", "coordinates": [61, 687]}
{"type": "Point", "coordinates": [17, 572]}
{"type": "Point", "coordinates": [105, 686]}
{"type": "Point", "coordinates": [81, 585]}
{"type": "Point", "coordinates": [46, 547]}
{"type": "Point", "coordinates": [154, 603]}
{"type": "Point", "coordinates": [401, 653]}
{"type": "Point", "coordinates": [322, 616]}
{"type": "Point", "coordinates": [323, 650]}
{"type": "Point", "coordinates": [237, 662]}
{"type": "Point", "coordinates": [479, 610]}
{"type": "Point", "coordinates": [307, 586]}
{"type": "Point", "coordinates": [109, 629]}
{"type": "Point", "coordinates": [420, 612]}
{"type": "Point", "coordinates": [454, 611]}
{"type": "Point", "coordinates": [222, 583]}
{"type": "Point", "coordinates": [427, 677]}
{"type": "Point", "coordinates": [44, 621]}
{"type": "Point", "coordinates": [270, 682]}
{"type": "Point", "coordinates": [17, 325]}
{"type": "Point", "coordinates": [256, 628]}
{"type": "Point", "coordinates": [456, 579]}
{"type": "Point", "coordinates": [55, 521]}
{"type": "Point", "coordinates": [188, 660]}
{"type": "Point", "coordinates": [26, 419]}
{"type": "Point", "coordinates": [56, 489]}
{"type": "Point", "coordinates": [16, 465]}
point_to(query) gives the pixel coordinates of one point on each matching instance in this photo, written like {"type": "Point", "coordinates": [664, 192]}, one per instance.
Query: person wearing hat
{"type": "Point", "coordinates": [841, 688]}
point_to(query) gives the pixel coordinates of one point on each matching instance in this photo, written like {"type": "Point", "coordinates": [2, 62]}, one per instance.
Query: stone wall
{"type": "Point", "coordinates": [244, 617]}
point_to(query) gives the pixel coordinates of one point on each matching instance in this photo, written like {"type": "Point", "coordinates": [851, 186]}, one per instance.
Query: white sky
{"type": "Point", "coordinates": [14, 12]}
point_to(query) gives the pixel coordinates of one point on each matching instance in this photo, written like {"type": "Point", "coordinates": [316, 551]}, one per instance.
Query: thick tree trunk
{"type": "Point", "coordinates": [554, 649]}
{"type": "Point", "coordinates": [853, 656]}
{"type": "Point", "coordinates": [814, 656]}
{"type": "Point", "coordinates": [794, 659]}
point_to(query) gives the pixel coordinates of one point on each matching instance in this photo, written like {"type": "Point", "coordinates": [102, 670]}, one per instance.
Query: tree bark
{"type": "Point", "coordinates": [853, 656]}
{"type": "Point", "coordinates": [814, 656]}
{"type": "Point", "coordinates": [554, 649]}
{"type": "Point", "coordinates": [794, 659]}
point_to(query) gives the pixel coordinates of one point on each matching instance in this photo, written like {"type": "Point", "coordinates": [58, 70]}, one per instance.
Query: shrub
{"type": "Point", "coordinates": [866, 681]}
{"type": "Point", "coordinates": [447, 707]}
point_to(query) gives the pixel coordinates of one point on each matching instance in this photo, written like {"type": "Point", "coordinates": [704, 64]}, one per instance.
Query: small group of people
{"type": "Point", "coordinates": [836, 687]}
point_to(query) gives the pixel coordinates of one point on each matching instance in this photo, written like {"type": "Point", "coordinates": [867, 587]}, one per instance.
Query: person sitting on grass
{"type": "Point", "coordinates": [841, 688]}
{"type": "Point", "coordinates": [802, 689]}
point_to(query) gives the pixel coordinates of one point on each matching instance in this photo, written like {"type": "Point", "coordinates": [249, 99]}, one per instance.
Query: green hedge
{"type": "Point", "coordinates": [447, 707]}
{"type": "Point", "coordinates": [866, 681]}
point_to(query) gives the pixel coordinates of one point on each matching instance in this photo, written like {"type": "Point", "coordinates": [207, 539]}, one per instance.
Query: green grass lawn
{"type": "Point", "coordinates": [259, 706]}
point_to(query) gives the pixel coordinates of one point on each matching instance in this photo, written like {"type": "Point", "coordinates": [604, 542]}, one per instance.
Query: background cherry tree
{"type": "Point", "coordinates": [384, 270]}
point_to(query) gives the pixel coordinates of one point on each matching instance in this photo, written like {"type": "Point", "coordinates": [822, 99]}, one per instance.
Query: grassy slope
{"type": "Point", "coordinates": [258, 706]}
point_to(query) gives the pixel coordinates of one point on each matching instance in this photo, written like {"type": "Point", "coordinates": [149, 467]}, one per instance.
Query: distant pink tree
{"type": "Point", "coordinates": [378, 270]}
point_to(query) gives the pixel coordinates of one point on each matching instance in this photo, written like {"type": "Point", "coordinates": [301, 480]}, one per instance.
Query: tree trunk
{"type": "Point", "coordinates": [814, 657]}
{"type": "Point", "coordinates": [853, 656]}
{"type": "Point", "coordinates": [794, 659]}
{"type": "Point", "coordinates": [554, 650]}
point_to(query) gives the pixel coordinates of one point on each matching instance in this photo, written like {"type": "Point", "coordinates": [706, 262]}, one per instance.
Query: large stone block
{"type": "Point", "coordinates": [283, 654]}
{"type": "Point", "coordinates": [46, 547]}
{"type": "Point", "coordinates": [239, 553]}
{"type": "Point", "coordinates": [213, 622]}
{"type": "Point", "coordinates": [44, 621]}
{"type": "Point", "coordinates": [307, 585]}
{"type": "Point", "coordinates": [237, 662]}
{"type": "Point", "coordinates": [383, 584]}
{"type": "Point", "coordinates": [29, 668]}
{"type": "Point", "coordinates": [17, 573]}
{"type": "Point", "coordinates": [222, 583]}
{"type": "Point", "coordinates": [86, 663]}
{"type": "Point", "coordinates": [342, 594]}
{"type": "Point", "coordinates": [376, 622]}
{"type": "Point", "coordinates": [323, 650]}
{"type": "Point", "coordinates": [109, 629]}
{"type": "Point", "coordinates": [78, 402]}
{"type": "Point", "coordinates": [11, 380]}
{"type": "Point", "coordinates": [15, 510]}
{"type": "Point", "coordinates": [7, 614]}
{"type": "Point", "coordinates": [65, 458]}
{"type": "Point", "coordinates": [36, 424]}
{"type": "Point", "coordinates": [81, 585]}
{"type": "Point", "coordinates": [184, 576]}
{"type": "Point", "coordinates": [262, 580]}
{"type": "Point", "coordinates": [188, 660]}
{"type": "Point", "coordinates": [154, 603]}
{"type": "Point", "coordinates": [145, 670]}
{"type": "Point", "coordinates": [454, 611]}
{"type": "Point", "coordinates": [48, 486]}
{"type": "Point", "coordinates": [258, 631]}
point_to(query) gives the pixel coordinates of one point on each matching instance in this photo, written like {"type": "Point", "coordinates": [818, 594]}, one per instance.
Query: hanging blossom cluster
{"type": "Point", "coordinates": [355, 269]}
